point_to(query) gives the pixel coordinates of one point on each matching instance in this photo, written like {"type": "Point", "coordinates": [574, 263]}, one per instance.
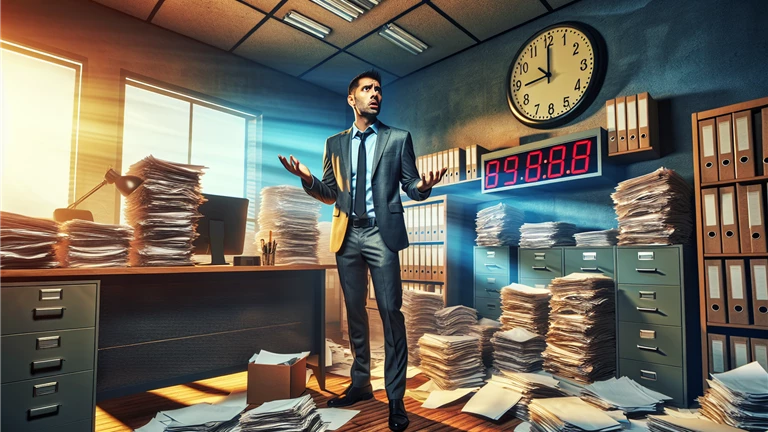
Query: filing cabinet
{"type": "Point", "coordinates": [495, 268]}
{"type": "Point", "coordinates": [597, 260]}
{"type": "Point", "coordinates": [49, 337]}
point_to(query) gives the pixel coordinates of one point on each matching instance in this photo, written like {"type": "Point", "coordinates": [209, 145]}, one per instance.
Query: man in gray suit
{"type": "Point", "coordinates": [363, 169]}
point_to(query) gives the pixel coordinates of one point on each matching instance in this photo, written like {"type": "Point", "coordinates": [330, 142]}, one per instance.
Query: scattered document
{"type": "Point", "coordinates": [440, 398]}
{"type": "Point", "coordinates": [299, 414]}
{"type": "Point", "coordinates": [378, 384]}
{"type": "Point", "coordinates": [738, 398]}
{"type": "Point", "coordinates": [492, 401]}
{"type": "Point", "coordinates": [270, 358]}
{"type": "Point", "coordinates": [571, 414]}
{"type": "Point", "coordinates": [336, 417]}
{"type": "Point", "coordinates": [624, 394]}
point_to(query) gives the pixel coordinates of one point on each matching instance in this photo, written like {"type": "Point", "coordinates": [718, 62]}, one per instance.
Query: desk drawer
{"type": "Point", "coordinates": [649, 266]}
{"type": "Point", "coordinates": [492, 260]}
{"type": "Point", "coordinates": [489, 285]}
{"type": "Point", "coordinates": [45, 402]}
{"type": "Point", "coordinates": [590, 260]}
{"type": "Point", "coordinates": [36, 355]}
{"type": "Point", "coordinates": [78, 426]}
{"type": "Point", "coordinates": [488, 308]}
{"type": "Point", "coordinates": [536, 283]}
{"type": "Point", "coordinates": [541, 263]}
{"type": "Point", "coordinates": [36, 308]}
{"type": "Point", "coordinates": [652, 304]}
{"type": "Point", "coordinates": [651, 343]}
{"type": "Point", "coordinates": [667, 380]}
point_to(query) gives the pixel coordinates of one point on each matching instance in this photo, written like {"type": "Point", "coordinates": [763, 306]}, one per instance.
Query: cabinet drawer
{"type": "Point", "coordinates": [78, 426]}
{"type": "Point", "coordinates": [35, 355]}
{"type": "Point", "coordinates": [489, 285]}
{"type": "Point", "coordinates": [655, 266]}
{"type": "Point", "coordinates": [652, 304]}
{"type": "Point", "coordinates": [46, 402]}
{"type": "Point", "coordinates": [590, 260]}
{"type": "Point", "coordinates": [651, 343]}
{"type": "Point", "coordinates": [541, 263]}
{"type": "Point", "coordinates": [488, 308]}
{"type": "Point", "coordinates": [663, 379]}
{"type": "Point", "coordinates": [493, 260]}
{"type": "Point", "coordinates": [36, 308]}
{"type": "Point", "coordinates": [536, 283]}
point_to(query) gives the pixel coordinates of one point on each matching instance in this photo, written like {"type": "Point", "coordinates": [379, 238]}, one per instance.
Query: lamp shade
{"type": "Point", "coordinates": [125, 184]}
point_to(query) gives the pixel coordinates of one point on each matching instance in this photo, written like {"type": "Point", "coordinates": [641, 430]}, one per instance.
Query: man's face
{"type": "Point", "coordinates": [366, 100]}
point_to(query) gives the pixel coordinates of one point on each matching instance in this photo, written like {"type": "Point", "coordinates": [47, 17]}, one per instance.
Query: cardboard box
{"type": "Point", "coordinates": [275, 382]}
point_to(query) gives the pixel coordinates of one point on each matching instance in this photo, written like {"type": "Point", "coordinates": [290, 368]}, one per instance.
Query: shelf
{"type": "Point", "coordinates": [735, 181]}
{"type": "Point", "coordinates": [635, 155]}
{"type": "Point", "coordinates": [738, 255]}
{"type": "Point", "coordinates": [422, 281]}
{"type": "Point", "coordinates": [466, 188]}
{"type": "Point", "coordinates": [738, 326]}
{"type": "Point", "coordinates": [438, 242]}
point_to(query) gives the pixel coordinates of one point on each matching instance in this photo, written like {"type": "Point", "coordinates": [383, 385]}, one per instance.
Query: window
{"type": "Point", "coordinates": [40, 116]}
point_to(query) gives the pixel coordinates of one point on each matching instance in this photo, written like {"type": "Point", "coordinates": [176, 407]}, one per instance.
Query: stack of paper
{"type": "Point", "coordinates": [517, 350]}
{"type": "Point", "coordinates": [163, 212]}
{"type": "Point", "coordinates": [419, 308]}
{"type": "Point", "coordinates": [531, 386]}
{"type": "Point", "coordinates": [569, 414]}
{"type": "Point", "coordinates": [546, 235]}
{"type": "Point", "coordinates": [624, 394]}
{"type": "Point", "coordinates": [455, 320]}
{"type": "Point", "coordinates": [291, 215]}
{"type": "Point", "coordinates": [484, 330]}
{"type": "Point", "coordinates": [498, 225]}
{"type": "Point", "coordinates": [298, 414]}
{"type": "Point", "coordinates": [222, 416]}
{"type": "Point", "coordinates": [581, 342]}
{"type": "Point", "coordinates": [324, 254]}
{"type": "Point", "coordinates": [654, 209]}
{"type": "Point", "coordinates": [597, 238]}
{"type": "Point", "coordinates": [27, 242]}
{"type": "Point", "coordinates": [668, 423]}
{"type": "Point", "coordinates": [91, 244]}
{"type": "Point", "coordinates": [738, 398]}
{"type": "Point", "coordinates": [525, 307]}
{"type": "Point", "coordinates": [452, 361]}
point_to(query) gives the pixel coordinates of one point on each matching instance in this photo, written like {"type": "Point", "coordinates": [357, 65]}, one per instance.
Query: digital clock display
{"type": "Point", "coordinates": [554, 160]}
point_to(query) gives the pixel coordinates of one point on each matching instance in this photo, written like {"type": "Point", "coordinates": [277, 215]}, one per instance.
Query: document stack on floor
{"type": "Point", "coordinates": [569, 414]}
{"type": "Point", "coordinates": [419, 308]}
{"type": "Point", "coordinates": [163, 212]}
{"type": "Point", "coordinates": [668, 423]}
{"type": "Point", "coordinates": [518, 350]}
{"type": "Point", "coordinates": [546, 235]}
{"type": "Point", "coordinates": [531, 386]}
{"type": "Point", "coordinates": [27, 242]}
{"type": "Point", "coordinates": [298, 414]}
{"type": "Point", "coordinates": [222, 416]}
{"type": "Point", "coordinates": [484, 330]}
{"type": "Point", "coordinates": [581, 342]}
{"type": "Point", "coordinates": [292, 217]}
{"type": "Point", "coordinates": [624, 394]}
{"type": "Point", "coordinates": [455, 320]}
{"type": "Point", "coordinates": [738, 398]}
{"type": "Point", "coordinates": [498, 225]}
{"type": "Point", "coordinates": [452, 361]}
{"type": "Point", "coordinates": [525, 307]}
{"type": "Point", "coordinates": [91, 244]}
{"type": "Point", "coordinates": [597, 238]}
{"type": "Point", "coordinates": [654, 209]}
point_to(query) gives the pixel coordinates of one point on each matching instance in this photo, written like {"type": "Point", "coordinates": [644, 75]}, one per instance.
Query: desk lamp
{"type": "Point", "coordinates": [125, 184]}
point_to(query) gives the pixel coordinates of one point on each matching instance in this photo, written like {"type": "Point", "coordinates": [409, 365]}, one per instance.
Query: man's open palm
{"type": "Point", "coordinates": [296, 168]}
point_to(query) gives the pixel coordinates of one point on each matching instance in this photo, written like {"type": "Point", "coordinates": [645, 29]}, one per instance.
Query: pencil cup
{"type": "Point", "coordinates": [268, 258]}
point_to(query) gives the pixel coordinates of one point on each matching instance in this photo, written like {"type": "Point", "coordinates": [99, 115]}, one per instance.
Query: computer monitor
{"type": "Point", "coordinates": [222, 227]}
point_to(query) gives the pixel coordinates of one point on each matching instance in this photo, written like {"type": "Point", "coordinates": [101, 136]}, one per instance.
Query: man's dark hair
{"type": "Point", "coordinates": [372, 74]}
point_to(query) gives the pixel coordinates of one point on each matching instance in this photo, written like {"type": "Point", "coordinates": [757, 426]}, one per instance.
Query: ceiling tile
{"type": "Point", "coordinates": [138, 8]}
{"type": "Point", "coordinates": [559, 3]}
{"type": "Point", "coordinates": [442, 37]}
{"type": "Point", "coordinates": [345, 32]}
{"type": "Point", "coordinates": [263, 5]}
{"type": "Point", "coordinates": [486, 18]}
{"type": "Point", "coordinates": [284, 48]}
{"type": "Point", "coordinates": [215, 22]}
{"type": "Point", "coordinates": [336, 73]}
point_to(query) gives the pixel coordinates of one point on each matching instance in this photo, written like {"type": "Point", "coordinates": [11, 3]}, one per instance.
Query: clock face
{"type": "Point", "coordinates": [556, 75]}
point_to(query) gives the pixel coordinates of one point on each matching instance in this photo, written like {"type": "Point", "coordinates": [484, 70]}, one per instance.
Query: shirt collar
{"type": "Point", "coordinates": [374, 126]}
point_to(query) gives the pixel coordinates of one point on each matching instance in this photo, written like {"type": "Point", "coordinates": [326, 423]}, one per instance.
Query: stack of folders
{"type": "Point", "coordinates": [668, 423]}
{"type": "Point", "coordinates": [455, 320]}
{"type": "Point", "coordinates": [27, 242]}
{"type": "Point", "coordinates": [531, 386]}
{"type": "Point", "coordinates": [624, 394]}
{"type": "Point", "coordinates": [654, 209]}
{"type": "Point", "coordinates": [730, 147]}
{"type": "Point", "coordinates": [324, 254]}
{"type": "Point", "coordinates": [731, 352]}
{"type": "Point", "coordinates": [517, 350]}
{"type": "Point", "coordinates": [484, 330]}
{"type": "Point", "coordinates": [222, 416]}
{"type": "Point", "coordinates": [292, 217]}
{"type": "Point", "coordinates": [419, 308]}
{"type": "Point", "coordinates": [581, 342]}
{"type": "Point", "coordinates": [738, 398]}
{"type": "Point", "coordinates": [632, 123]}
{"type": "Point", "coordinates": [498, 225]}
{"type": "Point", "coordinates": [525, 307]}
{"type": "Point", "coordinates": [597, 238]}
{"type": "Point", "coordinates": [298, 414]}
{"type": "Point", "coordinates": [730, 292]}
{"type": "Point", "coordinates": [452, 361]}
{"type": "Point", "coordinates": [92, 244]}
{"type": "Point", "coordinates": [569, 414]}
{"type": "Point", "coordinates": [455, 160]}
{"type": "Point", "coordinates": [163, 212]}
{"type": "Point", "coordinates": [475, 154]}
{"type": "Point", "coordinates": [546, 235]}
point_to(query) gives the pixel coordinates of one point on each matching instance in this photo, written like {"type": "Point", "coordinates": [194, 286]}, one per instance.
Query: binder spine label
{"type": "Point", "coordinates": [717, 356]}
{"type": "Point", "coordinates": [753, 208]}
{"type": "Point", "coordinates": [761, 284]}
{"type": "Point", "coordinates": [709, 145]}
{"type": "Point", "coordinates": [737, 284]}
{"type": "Point", "coordinates": [710, 217]}
{"type": "Point", "coordinates": [714, 282]}
{"type": "Point", "coordinates": [742, 134]}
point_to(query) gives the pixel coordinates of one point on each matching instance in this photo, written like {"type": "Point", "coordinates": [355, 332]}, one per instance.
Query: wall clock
{"type": "Point", "coordinates": [556, 74]}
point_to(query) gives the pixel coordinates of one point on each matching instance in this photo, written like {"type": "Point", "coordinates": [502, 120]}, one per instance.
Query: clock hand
{"type": "Point", "coordinates": [549, 74]}
{"type": "Point", "coordinates": [537, 79]}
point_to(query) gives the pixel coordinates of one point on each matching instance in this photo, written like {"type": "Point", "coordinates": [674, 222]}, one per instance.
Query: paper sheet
{"type": "Point", "coordinates": [492, 401]}
{"type": "Point", "coordinates": [439, 398]}
{"type": "Point", "coordinates": [336, 417]}
{"type": "Point", "coordinates": [270, 358]}
{"type": "Point", "coordinates": [378, 384]}
{"type": "Point", "coordinates": [154, 425]}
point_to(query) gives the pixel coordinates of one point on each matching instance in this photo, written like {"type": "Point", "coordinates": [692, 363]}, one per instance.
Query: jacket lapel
{"type": "Point", "coordinates": [343, 142]}
{"type": "Point", "coordinates": [381, 143]}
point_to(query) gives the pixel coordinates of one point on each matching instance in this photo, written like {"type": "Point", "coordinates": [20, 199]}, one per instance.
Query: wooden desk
{"type": "Point", "coordinates": [161, 326]}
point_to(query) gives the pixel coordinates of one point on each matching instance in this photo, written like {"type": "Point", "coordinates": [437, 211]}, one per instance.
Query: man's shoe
{"type": "Point", "coordinates": [351, 396]}
{"type": "Point", "coordinates": [398, 418]}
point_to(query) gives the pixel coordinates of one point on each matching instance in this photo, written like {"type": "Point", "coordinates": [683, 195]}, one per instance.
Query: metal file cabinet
{"type": "Point", "coordinates": [539, 266]}
{"type": "Point", "coordinates": [495, 267]}
{"type": "Point", "coordinates": [49, 336]}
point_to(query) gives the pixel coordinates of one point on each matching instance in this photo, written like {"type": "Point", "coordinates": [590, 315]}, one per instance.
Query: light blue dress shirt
{"type": "Point", "coordinates": [370, 150]}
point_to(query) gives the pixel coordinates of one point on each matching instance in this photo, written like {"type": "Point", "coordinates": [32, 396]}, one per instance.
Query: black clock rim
{"type": "Point", "coordinates": [601, 62]}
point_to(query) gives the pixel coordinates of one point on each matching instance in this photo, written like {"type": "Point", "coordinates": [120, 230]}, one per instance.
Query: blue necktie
{"type": "Point", "coordinates": [362, 171]}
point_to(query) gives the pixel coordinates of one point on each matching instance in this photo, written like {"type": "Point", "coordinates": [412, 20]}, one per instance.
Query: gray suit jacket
{"type": "Point", "coordinates": [394, 164]}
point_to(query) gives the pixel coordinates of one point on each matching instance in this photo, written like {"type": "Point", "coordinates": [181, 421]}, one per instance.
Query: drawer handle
{"type": "Point", "coordinates": [492, 291]}
{"type": "Point", "coordinates": [490, 280]}
{"type": "Point", "coordinates": [539, 267]}
{"type": "Point", "coordinates": [647, 294]}
{"type": "Point", "coordinates": [50, 294]}
{"type": "Point", "coordinates": [492, 265]}
{"type": "Point", "coordinates": [644, 309]}
{"type": "Point", "coordinates": [491, 306]}
{"type": "Point", "coordinates": [47, 364]}
{"type": "Point", "coordinates": [44, 411]}
{"type": "Point", "coordinates": [490, 254]}
{"type": "Point", "coordinates": [647, 348]}
{"type": "Point", "coordinates": [48, 342]}
{"type": "Point", "coordinates": [648, 375]}
{"type": "Point", "coordinates": [590, 269]}
{"type": "Point", "coordinates": [45, 389]}
{"type": "Point", "coordinates": [646, 270]}
{"type": "Point", "coordinates": [51, 312]}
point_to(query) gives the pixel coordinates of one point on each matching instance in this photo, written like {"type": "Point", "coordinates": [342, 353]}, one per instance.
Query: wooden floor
{"type": "Point", "coordinates": [127, 413]}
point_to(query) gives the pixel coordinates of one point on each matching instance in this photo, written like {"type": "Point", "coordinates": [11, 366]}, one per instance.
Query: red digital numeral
{"type": "Point", "coordinates": [492, 175]}
{"type": "Point", "coordinates": [508, 170]}
{"type": "Point", "coordinates": [553, 161]}
{"type": "Point", "coordinates": [585, 157]}
{"type": "Point", "coordinates": [530, 166]}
